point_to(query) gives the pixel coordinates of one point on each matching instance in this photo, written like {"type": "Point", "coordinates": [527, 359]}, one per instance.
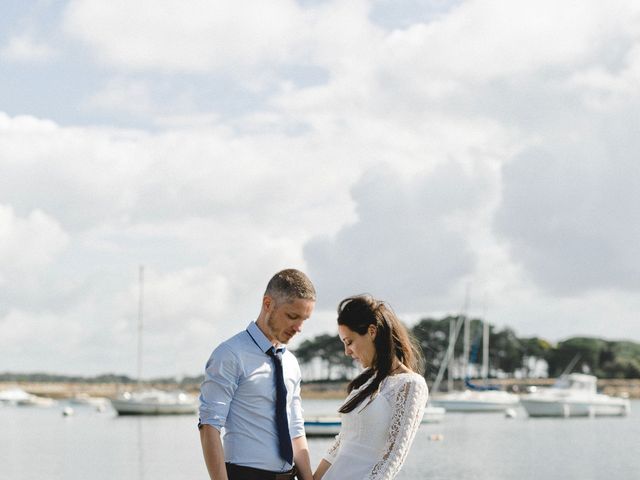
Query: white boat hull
{"type": "Point", "coordinates": [575, 408]}
{"type": "Point", "coordinates": [472, 401]}
{"type": "Point", "coordinates": [326, 426]}
{"type": "Point", "coordinates": [17, 396]}
{"type": "Point", "coordinates": [124, 407]}
{"type": "Point", "coordinates": [322, 426]}
{"type": "Point", "coordinates": [433, 414]}
{"type": "Point", "coordinates": [155, 403]}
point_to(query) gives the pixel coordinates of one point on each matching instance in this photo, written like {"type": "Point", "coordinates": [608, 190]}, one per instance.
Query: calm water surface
{"type": "Point", "coordinates": [39, 443]}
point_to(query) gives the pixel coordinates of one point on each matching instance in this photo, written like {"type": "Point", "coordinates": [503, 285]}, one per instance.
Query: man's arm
{"type": "Point", "coordinates": [213, 452]}
{"type": "Point", "coordinates": [301, 458]}
{"type": "Point", "coordinates": [221, 378]}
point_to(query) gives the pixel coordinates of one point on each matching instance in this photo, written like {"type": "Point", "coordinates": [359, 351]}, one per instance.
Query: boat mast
{"type": "Point", "coordinates": [467, 335]}
{"type": "Point", "coordinates": [452, 343]}
{"type": "Point", "coordinates": [140, 304]}
{"type": "Point", "coordinates": [466, 348]}
{"type": "Point", "coordinates": [485, 343]}
{"type": "Point", "coordinates": [454, 330]}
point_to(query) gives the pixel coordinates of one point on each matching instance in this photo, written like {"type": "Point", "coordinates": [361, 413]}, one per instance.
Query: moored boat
{"type": "Point", "coordinates": [475, 401]}
{"type": "Point", "coordinates": [322, 426]}
{"type": "Point", "coordinates": [433, 414]}
{"type": "Point", "coordinates": [155, 402]}
{"type": "Point", "coordinates": [152, 401]}
{"type": "Point", "coordinates": [573, 395]}
{"type": "Point", "coordinates": [17, 396]}
{"type": "Point", "coordinates": [328, 426]}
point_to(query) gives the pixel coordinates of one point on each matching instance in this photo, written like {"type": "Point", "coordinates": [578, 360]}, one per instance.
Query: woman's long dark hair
{"type": "Point", "coordinates": [392, 341]}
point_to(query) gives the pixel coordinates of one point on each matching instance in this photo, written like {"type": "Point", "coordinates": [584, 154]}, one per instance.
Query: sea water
{"type": "Point", "coordinates": [41, 443]}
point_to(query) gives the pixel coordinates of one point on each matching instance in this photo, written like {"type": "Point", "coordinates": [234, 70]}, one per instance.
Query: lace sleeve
{"type": "Point", "coordinates": [331, 454]}
{"type": "Point", "coordinates": [408, 407]}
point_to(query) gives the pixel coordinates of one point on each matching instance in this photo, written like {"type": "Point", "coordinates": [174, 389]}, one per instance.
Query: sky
{"type": "Point", "coordinates": [416, 150]}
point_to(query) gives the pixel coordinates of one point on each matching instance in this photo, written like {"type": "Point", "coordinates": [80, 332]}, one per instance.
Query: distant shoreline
{"type": "Point", "coordinates": [310, 390]}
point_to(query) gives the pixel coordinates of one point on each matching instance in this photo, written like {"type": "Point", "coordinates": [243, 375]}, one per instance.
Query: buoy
{"type": "Point", "coordinates": [510, 413]}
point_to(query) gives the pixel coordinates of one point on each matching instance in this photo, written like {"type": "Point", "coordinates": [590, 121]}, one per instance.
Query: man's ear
{"type": "Point", "coordinates": [267, 302]}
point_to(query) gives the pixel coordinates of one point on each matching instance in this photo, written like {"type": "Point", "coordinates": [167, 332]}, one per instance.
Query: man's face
{"type": "Point", "coordinates": [284, 320]}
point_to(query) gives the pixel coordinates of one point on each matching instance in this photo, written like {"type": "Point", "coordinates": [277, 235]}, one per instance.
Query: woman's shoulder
{"type": "Point", "coordinates": [411, 378]}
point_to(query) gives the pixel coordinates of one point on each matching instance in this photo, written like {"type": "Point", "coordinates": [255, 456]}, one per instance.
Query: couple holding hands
{"type": "Point", "coordinates": [252, 390]}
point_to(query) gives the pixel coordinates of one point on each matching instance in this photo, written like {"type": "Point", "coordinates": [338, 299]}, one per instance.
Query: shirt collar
{"type": "Point", "coordinates": [261, 339]}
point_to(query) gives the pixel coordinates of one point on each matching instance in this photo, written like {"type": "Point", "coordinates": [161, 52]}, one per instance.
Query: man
{"type": "Point", "coordinates": [244, 392]}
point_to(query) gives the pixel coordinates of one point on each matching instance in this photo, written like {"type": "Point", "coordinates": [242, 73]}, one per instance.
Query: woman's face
{"type": "Point", "coordinates": [359, 347]}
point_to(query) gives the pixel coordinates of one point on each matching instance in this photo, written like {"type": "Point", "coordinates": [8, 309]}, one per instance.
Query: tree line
{"type": "Point", "coordinates": [509, 355]}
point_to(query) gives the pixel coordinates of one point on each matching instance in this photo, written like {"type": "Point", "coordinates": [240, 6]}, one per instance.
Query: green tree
{"type": "Point", "coordinates": [536, 347]}
{"type": "Point", "coordinates": [330, 350]}
{"type": "Point", "coordinates": [587, 350]}
{"type": "Point", "coordinates": [505, 350]}
{"type": "Point", "coordinates": [620, 360]}
{"type": "Point", "coordinates": [433, 338]}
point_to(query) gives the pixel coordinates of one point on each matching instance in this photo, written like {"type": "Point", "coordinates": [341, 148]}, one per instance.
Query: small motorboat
{"type": "Point", "coordinates": [329, 426]}
{"type": "Point", "coordinates": [17, 396]}
{"type": "Point", "coordinates": [573, 395]}
{"type": "Point", "coordinates": [322, 426]}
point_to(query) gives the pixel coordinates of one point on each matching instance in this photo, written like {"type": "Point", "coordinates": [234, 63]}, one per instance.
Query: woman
{"type": "Point", "coordinates": [386, 401]}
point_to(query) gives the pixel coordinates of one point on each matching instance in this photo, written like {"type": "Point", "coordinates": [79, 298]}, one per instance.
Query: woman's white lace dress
{"type": "Point", "coordinates": [374, 440]}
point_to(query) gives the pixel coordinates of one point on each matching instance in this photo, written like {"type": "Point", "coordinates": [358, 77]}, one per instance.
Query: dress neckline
{"type": "Point", "coordinates": [410, 372]}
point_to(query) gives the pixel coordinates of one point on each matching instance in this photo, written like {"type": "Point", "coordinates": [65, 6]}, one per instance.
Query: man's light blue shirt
{"type": "Point", "coordinates": [238, 398]}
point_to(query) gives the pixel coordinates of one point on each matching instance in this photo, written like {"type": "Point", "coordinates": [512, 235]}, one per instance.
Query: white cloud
{"type": "Point", "coordinates": [213, 199]}
{"type": "Point", "coordinates": [120, 94]}
{"type": "Point", "coordinates": [484, 39]}
{"type": "Point", "coordinates": [200, 36]}
{"type": "Point", "coordinates": [604, 88]}
{"type": "Point", "coordinates": [211, 216]}
{"type": "Point", "coordinates": [27, 246]}
{"type": "Point", "coordinates": [24, 48]}
{"type": "Point", "coordinates": [411, 244]}
{"type": "Point", "coordinates": [570, 213]}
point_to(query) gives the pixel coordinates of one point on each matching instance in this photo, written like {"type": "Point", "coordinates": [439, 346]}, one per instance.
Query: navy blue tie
{"type": "Point", "coordinates": [282, 423]}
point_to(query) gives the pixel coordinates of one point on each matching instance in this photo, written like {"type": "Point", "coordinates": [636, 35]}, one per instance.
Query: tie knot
{"type": "Point", "coordinates": [272, 352]}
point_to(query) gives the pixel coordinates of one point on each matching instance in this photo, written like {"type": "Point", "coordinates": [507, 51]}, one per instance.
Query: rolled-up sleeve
{"type": "Point", "coordinates": [296, 422]}
{"type": "Point", "coordinates": [221, 379]}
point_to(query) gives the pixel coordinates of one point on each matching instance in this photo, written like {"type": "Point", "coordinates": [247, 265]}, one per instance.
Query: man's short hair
{"type": "Point", "coordinates": [289, 285]}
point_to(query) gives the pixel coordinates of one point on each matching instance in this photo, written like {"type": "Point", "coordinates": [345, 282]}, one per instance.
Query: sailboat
{"type": "Point", "coordinates": [474, 398]}
{"type": "Point", "coordinates": [155, 402]}
{"type": "Point", "coordinates": [152, 401]}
